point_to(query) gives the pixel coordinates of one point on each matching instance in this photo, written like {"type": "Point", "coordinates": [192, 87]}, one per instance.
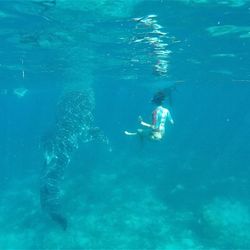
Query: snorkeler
{"type": "Point", "coordinates": [160, 115]}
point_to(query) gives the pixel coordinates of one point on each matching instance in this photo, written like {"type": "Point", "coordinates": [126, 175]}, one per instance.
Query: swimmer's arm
{"type": "Point", "coordinates": [170, 118]}
{"type": "Point", "coordinates": [144, 123]}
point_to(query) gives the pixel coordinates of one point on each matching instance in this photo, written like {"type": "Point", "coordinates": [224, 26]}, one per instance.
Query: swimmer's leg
{"type": "Point", "coordinates": [130, 133]}
{"type": "Point", "coordinates": [140, 132]}
{"type": "Point", "coordinates": [142, 135]}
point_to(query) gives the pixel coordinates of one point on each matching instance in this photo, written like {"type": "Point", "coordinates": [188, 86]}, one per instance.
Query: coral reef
{"type": "Point", "coordinates": [107, 210]}
{"type": "Point", "coordinates": [228, 223]}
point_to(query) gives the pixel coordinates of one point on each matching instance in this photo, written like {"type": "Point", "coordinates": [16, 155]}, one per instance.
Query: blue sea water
{"type": "Point", "coordinates": [188, 191]}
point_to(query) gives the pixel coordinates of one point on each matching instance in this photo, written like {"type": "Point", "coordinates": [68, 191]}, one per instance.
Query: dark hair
{"type": "Point", "coordinates": [158, 98]}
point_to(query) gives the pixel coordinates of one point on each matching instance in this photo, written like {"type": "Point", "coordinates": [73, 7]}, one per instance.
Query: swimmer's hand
{"type": "Point", "coordinates": [144, 123]}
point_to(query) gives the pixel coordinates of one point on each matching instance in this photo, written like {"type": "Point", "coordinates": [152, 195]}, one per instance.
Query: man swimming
{"type": "Point", "coordinates": [160, 115]}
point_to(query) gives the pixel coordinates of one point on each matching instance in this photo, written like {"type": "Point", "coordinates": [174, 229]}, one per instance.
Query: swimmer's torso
{"type": "Point", "coordinates": [159, 117]}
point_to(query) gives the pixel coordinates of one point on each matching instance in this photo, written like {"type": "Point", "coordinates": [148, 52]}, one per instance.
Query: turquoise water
{"type": "Point", "coordinates": [70, 66]}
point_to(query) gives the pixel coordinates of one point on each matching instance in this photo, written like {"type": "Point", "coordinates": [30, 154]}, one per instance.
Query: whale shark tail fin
{"type": "Point", "coordinates": [60, 220]}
